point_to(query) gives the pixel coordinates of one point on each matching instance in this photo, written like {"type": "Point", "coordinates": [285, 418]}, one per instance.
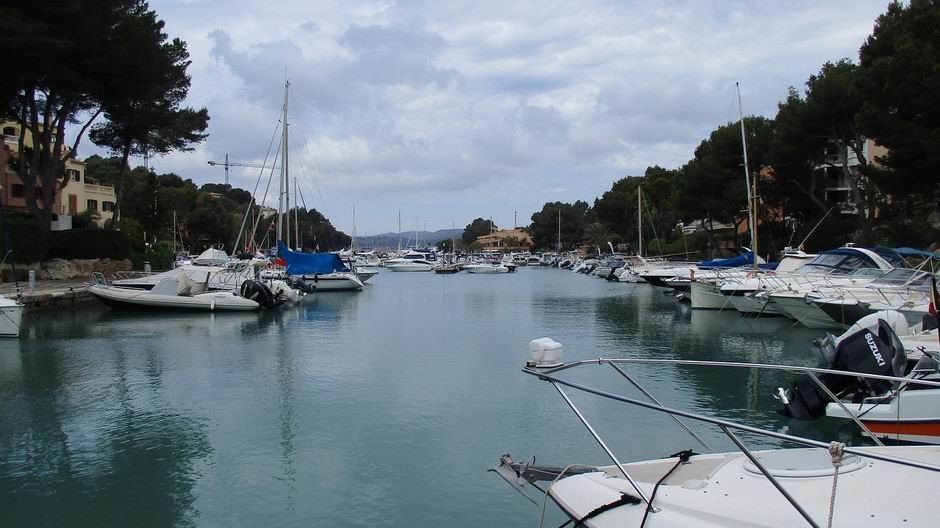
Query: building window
{"type": "Point", "coordinates": [73, 175]}
{"type": "Point", "coordinates": [17, 190]}
{"type": "Point", "coordinates": [107, 206]}
{"type": "Point", "coordinates": [9, 131]}
{"type": "Point", "coordinates": [92, 205]}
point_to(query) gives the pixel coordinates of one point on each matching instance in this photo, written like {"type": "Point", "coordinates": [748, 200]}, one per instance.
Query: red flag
{"type": "Point", "coordinates": [934, 297]}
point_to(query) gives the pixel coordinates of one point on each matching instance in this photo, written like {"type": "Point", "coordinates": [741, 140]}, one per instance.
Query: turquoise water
{"type": "Point", "coordinates": [378, 408]}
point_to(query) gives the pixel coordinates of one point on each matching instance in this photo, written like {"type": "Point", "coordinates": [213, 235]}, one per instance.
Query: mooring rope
{"type": "Point", "coordinates": [836, 451]}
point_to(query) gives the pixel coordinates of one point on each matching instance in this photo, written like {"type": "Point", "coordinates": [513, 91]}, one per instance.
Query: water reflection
{"type": "Point", "coordinates": [72, 450]}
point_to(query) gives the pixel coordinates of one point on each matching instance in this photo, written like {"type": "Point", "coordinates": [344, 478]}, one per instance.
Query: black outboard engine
{"type": "Point", "coordinates": [873, 349]}
{"type": "Point", "coordinates": [260, 293]}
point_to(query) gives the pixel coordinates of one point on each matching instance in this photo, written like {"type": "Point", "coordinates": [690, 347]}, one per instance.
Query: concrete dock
{"type": "Point", "coordinates": [48, 292]}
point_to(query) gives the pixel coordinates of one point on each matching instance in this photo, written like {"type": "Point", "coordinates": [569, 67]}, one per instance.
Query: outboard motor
{"type": "Point", "coordinates": [870, 346]}
{"type": "Point", "coordinates": [258, 292]}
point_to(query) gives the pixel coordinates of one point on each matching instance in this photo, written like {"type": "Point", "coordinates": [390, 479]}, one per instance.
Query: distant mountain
{"type": "Point", "coordinates": [390, 240]}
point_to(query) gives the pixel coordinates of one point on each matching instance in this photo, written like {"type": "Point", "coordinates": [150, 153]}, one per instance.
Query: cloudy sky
{"type": "Point", "coordinates": [450, 110]}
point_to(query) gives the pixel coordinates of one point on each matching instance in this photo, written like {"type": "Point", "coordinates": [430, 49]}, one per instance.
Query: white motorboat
{"type": "Point", "coordinates": [365, 273]}
{"type": "Point", "coordinates": [336, 281]}
{"type": "Point", "coordinates": [772, 487]}
{"type": "Point", "coordinates": [409, 262]}
{"type": "Point", "coordinates": [11, 316]}
{"type": "Point", "coordinates": [174, 293]}
{"type": "Point", "coordinates": [487, 268]}
{"type": "Point", "coordinates": [878, 344]}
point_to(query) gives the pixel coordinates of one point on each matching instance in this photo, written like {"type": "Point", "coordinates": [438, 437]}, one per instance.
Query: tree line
{"type": "Point", "coordinates": [163, 209]}
{"type": "Point", "coordinates": [105, 70]}
{"type": "Point", "coordinates": [870, 128]}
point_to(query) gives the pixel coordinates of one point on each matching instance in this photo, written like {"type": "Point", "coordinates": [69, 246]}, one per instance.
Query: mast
{"type": "Point", "coordinates": [297, 242]}
{"type": "Point", "coordinates": [639, 218]}
{"type": "Point", "coordinates": [399, 231]}
{"type": "Point", "coordinates": [353, 243]}
{"type": "Point", "coordinates": [752, 227]}
{"type": "Point", "coordinates": [559, 231]}
{"type": "Point", "coordinates": [282, 202]}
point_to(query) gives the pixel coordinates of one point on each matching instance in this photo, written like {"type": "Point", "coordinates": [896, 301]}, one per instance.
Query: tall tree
{"type": "Point", "coordinates": [477, 228]}
{"type": "Point", "coordinates": [55, 71]}
{"type": "Point", "coordinates": [142, 105]}
{"type": "Point", "coordinates": [711, 186]}
{"type": "Point", "coordinates": [897, 81]}
{"type": "Point", "coordinates": [574, 219]}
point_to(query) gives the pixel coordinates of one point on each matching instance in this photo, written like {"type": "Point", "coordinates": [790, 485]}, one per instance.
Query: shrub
{"type": "Point", "coordinates": [29, 239]}
{"type": "Point", "coordinates": [88, 243]}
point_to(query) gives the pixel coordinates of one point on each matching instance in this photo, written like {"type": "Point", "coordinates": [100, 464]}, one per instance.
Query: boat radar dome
{"type": "Point", "coordinates": [545, 353]}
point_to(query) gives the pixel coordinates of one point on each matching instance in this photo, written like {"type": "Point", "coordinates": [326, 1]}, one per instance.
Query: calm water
{"type": "Point", "coordinates": [377, 408]}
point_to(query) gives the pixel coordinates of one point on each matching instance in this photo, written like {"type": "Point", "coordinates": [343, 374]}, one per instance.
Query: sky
{"type": "Point", "coordinates": [451, 110]}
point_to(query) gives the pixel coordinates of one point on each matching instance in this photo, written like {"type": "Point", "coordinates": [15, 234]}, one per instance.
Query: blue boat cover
{"type": "Point", "coordinates": [309, 263]}
{"type": "Point", "coordinates": [734, 262]}
{"type": "Point", "coordinates": [907, 252]}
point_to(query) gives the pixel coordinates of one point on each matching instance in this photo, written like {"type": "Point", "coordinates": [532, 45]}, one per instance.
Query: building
{"type": "Point", "coordinates": [80, 193]}
{"type": "Point", "coordinates": [508, 239]}
{"type": "Point", "coordinates": [838, 188]}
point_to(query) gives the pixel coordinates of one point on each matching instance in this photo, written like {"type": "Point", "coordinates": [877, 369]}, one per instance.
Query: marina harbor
{"type": "Point", "coordinates": [441, 264]}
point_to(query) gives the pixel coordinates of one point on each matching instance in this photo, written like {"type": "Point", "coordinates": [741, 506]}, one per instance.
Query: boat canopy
{"type": "Point", "coordinates": [743, 259]}
{"type": "Point", "coordinates": [212, 257]}
{"type": "Point", "coordinates": [309, 263]}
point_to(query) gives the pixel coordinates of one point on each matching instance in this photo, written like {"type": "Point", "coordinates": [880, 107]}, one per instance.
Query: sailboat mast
{"type": "Point", "coordinates": [399, 231]}
{"type": "Point", "coordinates": [286, 167]}
{"type": "Point", "coordinates": [639, 218]}
{"type": "Point", "coordinates": [559, 231]}
{"type": "Point", "coordinates": [282, 182]}
{"type": "Point", "coordinates": [297, 242]}
{"type": "Point", "coordinates": [752, 227]}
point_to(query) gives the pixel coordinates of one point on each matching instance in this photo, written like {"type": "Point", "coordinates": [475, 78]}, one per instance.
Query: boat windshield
{"type": "Point", "coordinates": [838, 263]}
{"type": "Point", "coordinates": [902, 276]}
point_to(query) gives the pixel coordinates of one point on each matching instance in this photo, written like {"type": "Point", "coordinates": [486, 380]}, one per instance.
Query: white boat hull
{"type": "Point", "coordinates": [808, 314]}
{"type": "Point", "coordinates": [726, 490]}
{"type": "Point", "coordinates": [212, 301]}
{"type": "Point", "coordinates": [334, 281]}
{"type": "Point", "coordinates": [486, 268]}
{"type": "Point", "coordinates": [707, 296]}
{"type": "Point", "coordinates": [747, 304]}
{"type": "Point", "coordinates": [914, 416]}
{"type": "Point", "coordinates": [409, 267]}
{"type": "Point", "coordinates": [11, 318]}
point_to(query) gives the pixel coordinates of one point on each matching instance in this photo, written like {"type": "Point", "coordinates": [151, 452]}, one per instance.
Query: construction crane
{"type": "Point", "coordinates": [226, 163]}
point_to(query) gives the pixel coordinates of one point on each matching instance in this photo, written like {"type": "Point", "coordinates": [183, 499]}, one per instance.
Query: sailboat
{"type": "Point", "coordinates": [706, 294]}
{"type": "Point", "coordinates": [317, 271]}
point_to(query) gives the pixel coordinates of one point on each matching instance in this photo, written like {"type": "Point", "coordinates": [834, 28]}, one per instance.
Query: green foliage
{"type": "Point", "coordinates": [477, 228]}
{"type": "Point", "coordinates": [86, 220]}
{"type": "Point", "coordinates": [68, 61]}
{"type": "Point", "coordinates": [88, 243]}
{"type": "Point", "coordinates": [574, 218]}
{"type": "Point", "coordinates": [897, 79]}
{"type": "Point", "coordinates": [28, 237]}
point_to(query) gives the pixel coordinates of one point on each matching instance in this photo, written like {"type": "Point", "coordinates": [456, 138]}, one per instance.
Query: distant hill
{"type": "Point", "coordinates": [390, 240]}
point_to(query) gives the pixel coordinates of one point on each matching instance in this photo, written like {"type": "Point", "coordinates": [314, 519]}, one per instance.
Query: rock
{"type": "Point", "coordinates": [56, 269]}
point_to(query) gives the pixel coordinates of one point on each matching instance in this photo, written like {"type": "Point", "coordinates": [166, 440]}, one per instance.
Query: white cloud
{"type": "Point", "coordinates": [452, 110]}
